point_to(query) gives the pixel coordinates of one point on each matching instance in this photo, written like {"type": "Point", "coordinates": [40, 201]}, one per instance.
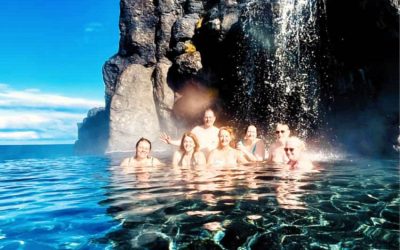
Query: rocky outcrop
{"type": "Point", "coordinates": [140, 92]}
{"type": "Point", "coordinates": [132, 111]}
{"type": "Point", "coordinates": [141, 100]}
{"type": "Point", "coordinates": [258, 61]}
{"type": "Point", "coordinates": [92, 132]}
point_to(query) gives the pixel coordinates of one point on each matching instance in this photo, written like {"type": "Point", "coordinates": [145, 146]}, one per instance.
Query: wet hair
{"type": "Point", "coordinates": [231, 133]}
{"type": "Point", "coordinates": [139, 141]}
{"type": "Point", "coordinates": [195, 140]}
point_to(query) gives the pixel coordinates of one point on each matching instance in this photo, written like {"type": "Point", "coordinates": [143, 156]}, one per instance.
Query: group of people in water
{"type": "Point", "coordinates": [208, 145]}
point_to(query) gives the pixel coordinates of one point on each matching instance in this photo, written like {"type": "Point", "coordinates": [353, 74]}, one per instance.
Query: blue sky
{"type": "Point", "coordinates": [51, 56]}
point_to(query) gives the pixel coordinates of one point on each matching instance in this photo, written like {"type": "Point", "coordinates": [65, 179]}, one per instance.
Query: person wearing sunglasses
{"type": "Point", "coordinates": [276, 152]}
{"type": "Point", "coordinates": [295, 152]}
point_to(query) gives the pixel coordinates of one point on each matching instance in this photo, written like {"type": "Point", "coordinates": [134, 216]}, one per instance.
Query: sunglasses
{"type": "Point", "coordinates": [289, 149]}
{"type": "Point", "coordinates": [280, 131]}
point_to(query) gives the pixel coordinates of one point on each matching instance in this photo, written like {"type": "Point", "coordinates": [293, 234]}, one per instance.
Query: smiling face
{"type": "Point", "coordinates": [251, 132]}
{"type": "Point", "coordinates": [224, 138]}
{"type": "Point", "coordinates": [294, 148]}
{"type": "Point", "coordinates": [282, 132]}
{"type": "Point", "coordinates": [209, 118]}
{"type": "Point", "coordinates": [142, 150]}
{"type": "Point", "coordinates": [188, 144]}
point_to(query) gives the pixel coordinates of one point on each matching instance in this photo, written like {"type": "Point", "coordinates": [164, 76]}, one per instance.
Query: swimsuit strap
{"type": "Point", "coordinates": [254, 148]}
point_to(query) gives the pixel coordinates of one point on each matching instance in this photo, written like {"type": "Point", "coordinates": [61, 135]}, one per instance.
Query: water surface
{"type": "Point", "coordinates": [70, 202]}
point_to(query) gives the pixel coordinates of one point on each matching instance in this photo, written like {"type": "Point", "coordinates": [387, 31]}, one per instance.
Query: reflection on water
{"type": "Point", "coordinates": [289, 187]}
{"type": "Point", "coordinates": [255, 206]}
{"type": "Point", "coordinates": [88, 203]}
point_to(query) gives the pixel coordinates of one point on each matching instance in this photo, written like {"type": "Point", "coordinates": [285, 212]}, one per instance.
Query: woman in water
{"type": "Point", "coordinates": [189, 153]}
{"type": "Point", "coordinates": [225, 154]}
{"type": "Point", "coordinates": [142, 156]}
{"type": "Point", "coordinates": [252, 148]}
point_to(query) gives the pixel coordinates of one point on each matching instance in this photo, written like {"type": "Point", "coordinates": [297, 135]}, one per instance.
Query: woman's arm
{"type": "Point", "coordinates": [157, 162]}
{"type": "Point", "coordinates": [240, 157]}
{"type": "Point", "coordinates": [168, 140]}
{"type": "Point", "coordinates": [248, 155]}
{"type": "Point", "coordinates": [125, 162]}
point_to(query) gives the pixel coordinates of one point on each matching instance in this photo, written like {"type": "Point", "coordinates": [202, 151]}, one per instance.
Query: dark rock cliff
{"type": "Point", "coordinates": [330, 66]}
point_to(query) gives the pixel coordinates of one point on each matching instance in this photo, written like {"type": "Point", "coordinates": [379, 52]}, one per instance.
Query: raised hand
{"type": "Point", "coordinates": [165, 138]}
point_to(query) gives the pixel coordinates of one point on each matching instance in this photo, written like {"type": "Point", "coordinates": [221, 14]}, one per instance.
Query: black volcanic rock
{"type": "Point", "coordinates": [336, 72]}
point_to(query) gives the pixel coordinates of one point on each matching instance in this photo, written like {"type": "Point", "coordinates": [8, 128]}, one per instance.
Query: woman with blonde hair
{"type": "Point", "coordinates": [189, 153]}
{"type": "Point", "coordinates": [225, 154]}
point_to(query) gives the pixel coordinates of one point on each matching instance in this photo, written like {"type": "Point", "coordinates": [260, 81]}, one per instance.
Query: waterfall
{"type": "Point", "coordinates": [278, 63]}
{"type": "Point", "coordinates": [296, 42]}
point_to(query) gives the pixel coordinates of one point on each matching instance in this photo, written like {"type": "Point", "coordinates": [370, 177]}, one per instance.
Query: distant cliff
{"type": "Point", "coordinates": [178, 56]}
{"type": "Point", "coordinates": [93, 132]}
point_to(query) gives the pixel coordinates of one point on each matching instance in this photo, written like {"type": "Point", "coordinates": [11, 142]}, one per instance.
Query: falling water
{"type": "Point", "coordinates": [278, 63]}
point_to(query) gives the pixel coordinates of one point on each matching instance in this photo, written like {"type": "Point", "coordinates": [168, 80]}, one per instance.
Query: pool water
{"type": "Point", "coordinates": [75, 202]}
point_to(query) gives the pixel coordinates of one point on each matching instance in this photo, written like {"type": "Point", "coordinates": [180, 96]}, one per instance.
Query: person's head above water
{"type": "Point", "coordinates": [282, 132]}
{"type": "Point", "coordinates": [143, 148]}
{"type": "Point", "coordinates": [294, 148]}
{"type": "Point", "coordinates": [225, 137]}
{"type": "Point", "coordinates": [189, 142]}
{"type": "Point", "coordinates": [251, 132]}
{"type": "Point", "coordinates": [208, 118]}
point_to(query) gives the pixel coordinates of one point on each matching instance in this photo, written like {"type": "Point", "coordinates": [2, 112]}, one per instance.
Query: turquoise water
{"type": "Point", "coordinates": [55, 200]}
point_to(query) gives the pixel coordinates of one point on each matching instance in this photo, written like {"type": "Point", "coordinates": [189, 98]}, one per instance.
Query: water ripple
{"type": "Point", "coordinates": [95, 205]}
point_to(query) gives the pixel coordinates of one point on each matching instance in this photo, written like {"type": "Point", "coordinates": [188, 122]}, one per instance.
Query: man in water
{"type": "Point", "coordinates": [207, 133]}
{"type": "Point", "coordinates": [295, 151]}
{"type": "Point", "coordinates": [276, 152]}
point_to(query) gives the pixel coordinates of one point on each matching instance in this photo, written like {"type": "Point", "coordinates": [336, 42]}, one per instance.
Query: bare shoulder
{"type": "Point", "coordinates": [214, 151]}
{"type": "Point", "coordinates": [157, 161]}
{"type": "Point", "coordinates": [273, 146]}
{"type": "Point", "coordinates": [260, 142]}
{"type": "Point", "coordinates": [199, 154]}
{"type": "Point", "coordinates": [125, 162]}
{"type": "Point", "coordinates": [197, 129]}
{"type": "Point", "coordinates": [212, 154]}
{"type": "Point", "coordinates": [200, 158]}
{"type": "Point", "coordinates": [177, 153]}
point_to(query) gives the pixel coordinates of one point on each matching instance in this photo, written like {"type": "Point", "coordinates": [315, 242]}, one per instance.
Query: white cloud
{"type": "Point", "coordinates": [30, 115]}
{"type": "Point", "coordinates": [93, 27]}
{"type": "Point", "coordinates": [25, 135]}
{"type": "Point", "coordinates": [23, 119]}
{"type": "Point", "coordinates": [35, 98]}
